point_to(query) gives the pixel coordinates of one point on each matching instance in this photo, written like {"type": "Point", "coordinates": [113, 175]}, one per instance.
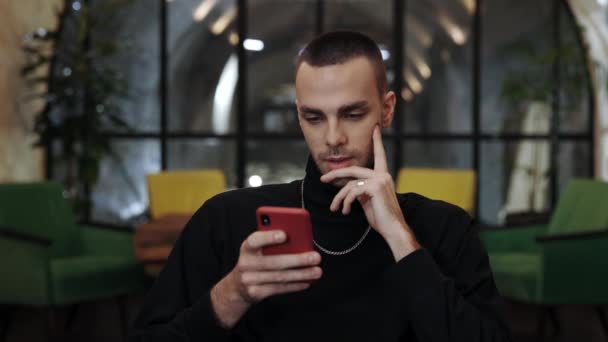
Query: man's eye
{"type": "Point", "coordinates": [354, 116]}
{"type": "Point", "coordinates": [313, 119]}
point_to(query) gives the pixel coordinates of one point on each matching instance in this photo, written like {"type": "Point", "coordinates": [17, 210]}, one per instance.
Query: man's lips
{"type": "Point", "coordinates": [337, 163]}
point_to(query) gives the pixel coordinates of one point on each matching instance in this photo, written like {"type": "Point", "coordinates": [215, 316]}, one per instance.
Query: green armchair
{"type": "Point", "coordinates": [563, 262]}
{"type": "Point", "coordinates": [48, 260]}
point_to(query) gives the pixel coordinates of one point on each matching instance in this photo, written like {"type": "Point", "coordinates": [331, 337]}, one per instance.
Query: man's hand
{"type": "Point", "coordinates": [257, 276]}
{"type": "Point", "coordinates": [375, 190]}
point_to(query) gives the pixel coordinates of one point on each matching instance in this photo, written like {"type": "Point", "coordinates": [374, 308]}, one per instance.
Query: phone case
{"type": "Point", "coordinates": [295, 222]}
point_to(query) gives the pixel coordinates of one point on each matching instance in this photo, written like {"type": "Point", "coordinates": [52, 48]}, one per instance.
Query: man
{"type": "Point", "coordinates": [388, 267]}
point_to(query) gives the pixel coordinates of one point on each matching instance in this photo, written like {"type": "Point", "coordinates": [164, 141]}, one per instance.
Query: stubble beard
{"type": "Point", "coordinates": [341, 182]}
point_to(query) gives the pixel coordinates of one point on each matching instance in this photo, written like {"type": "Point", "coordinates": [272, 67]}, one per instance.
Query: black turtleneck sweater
{"type": "Point", "coordinates": [442, 292]}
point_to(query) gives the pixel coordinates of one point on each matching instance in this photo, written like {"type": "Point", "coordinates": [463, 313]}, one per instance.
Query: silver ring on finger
{"type": "Point", "coordinates": [360, 182]}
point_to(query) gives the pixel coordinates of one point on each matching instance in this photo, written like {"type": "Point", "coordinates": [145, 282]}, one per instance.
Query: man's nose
{"type": "Point", "coordinates": [335, 135]}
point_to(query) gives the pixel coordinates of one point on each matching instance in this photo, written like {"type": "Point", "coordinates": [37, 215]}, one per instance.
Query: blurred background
{"type": "Point", "coordinates": [133, 112]}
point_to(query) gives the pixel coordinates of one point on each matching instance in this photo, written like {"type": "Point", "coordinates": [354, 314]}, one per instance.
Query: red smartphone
{"type": "Point", "coordinates": [295, 222]}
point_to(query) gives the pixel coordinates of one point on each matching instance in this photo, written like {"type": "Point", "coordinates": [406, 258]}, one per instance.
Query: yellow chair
{"type": "Point", "coordinates": [450, 185]}
{"type": "Point", "coordinates": [174, 197]}
{"type": "Point", "coordinates": [182, 191]}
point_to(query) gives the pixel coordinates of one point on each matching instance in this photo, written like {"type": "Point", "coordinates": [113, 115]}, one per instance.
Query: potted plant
{"type": "Point", "coordinates": [81, 93]}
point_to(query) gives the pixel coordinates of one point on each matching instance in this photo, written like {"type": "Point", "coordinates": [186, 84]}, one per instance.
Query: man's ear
{"type": "Point", "coordinates": [388, 109]}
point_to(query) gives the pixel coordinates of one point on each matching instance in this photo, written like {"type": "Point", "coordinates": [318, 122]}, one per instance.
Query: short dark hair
{"type": "Point", "coordinates": [339, 47]}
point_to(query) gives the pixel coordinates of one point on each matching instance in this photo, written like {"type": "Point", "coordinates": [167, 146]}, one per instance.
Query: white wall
{"type": "Point", "coordinates": [18, 160]}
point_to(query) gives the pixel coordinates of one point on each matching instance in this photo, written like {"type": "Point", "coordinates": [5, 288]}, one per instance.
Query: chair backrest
{"type": "Point", "coordinates": [39, 209]}
{"type": "Point", "coordinates": [450, 185]}
{"type": "Point", "coordinates": [582, 206]}
{"type": "Point", "coordinates": [183, 191]}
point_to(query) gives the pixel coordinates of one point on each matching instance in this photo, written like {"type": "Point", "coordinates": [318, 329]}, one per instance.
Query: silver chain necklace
{"type": "Point", "coordinates": [325, 250]}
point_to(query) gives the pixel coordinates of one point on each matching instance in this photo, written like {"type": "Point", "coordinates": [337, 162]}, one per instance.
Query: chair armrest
{"type": "Point", "coordinates": [528, 218]}
{"type": "Point", "coordinates": [102, 241]}
{"type": "Point", "coordinates": [24, 269]}
{"type": "Point", "coordinates": [514, 239]}
{"type": "Point", "coordinates": [154, 240]}
{"type": "Point", "coordinates": [574, 270]}
{"type": "Point", "coordinates": [592, 234]}
{"type": "Point", "coordinates": [12, 233]}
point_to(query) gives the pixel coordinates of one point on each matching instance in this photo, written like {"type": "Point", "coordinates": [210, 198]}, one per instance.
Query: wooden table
{"type": "Point", "coordinates": [154, 240]}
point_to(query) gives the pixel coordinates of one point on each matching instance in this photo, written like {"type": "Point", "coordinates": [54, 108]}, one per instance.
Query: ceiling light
{"type": "Point", "coordinates": [469, 5]}
{"type": "Point", "coordinates": [255, 181]}
{"type": "Point", "coordinates": [413, 82]}
{"type": "Point", "coordinates": [222, 22]}
{"type": "Point", "coordinates": [385, 54]}
{"type": "Point", "coordinates": [407, 95]}
{"type": "Point", "coordinates": [233, 38]}
{"type": "Point", "coordinates": [201, 12]}
{"type": "Point", "coordinates": [253, 44]}
{"type": "Point", "coordinates": [454, 31]}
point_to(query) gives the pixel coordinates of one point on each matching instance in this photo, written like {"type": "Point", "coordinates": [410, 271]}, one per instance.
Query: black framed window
{"type": "Point", "coordinates": [483, 85]}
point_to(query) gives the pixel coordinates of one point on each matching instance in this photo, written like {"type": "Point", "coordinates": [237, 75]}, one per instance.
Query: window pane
{"type": "Point", "coordinates": [575, 108]}
{"type": "Point", "coordinates": [438, 66]}
{"type": "Point", "coordinates": [202, 154]}
{"type": "Point", "coordinates": [58, 166]}
{"type": "Point", "coordinates": [121, 193]}
{"type": "Point", "coordinates": [573, 162]}
{"type": "Point", "coordinates": [516, 69]}
{"type": "Point", "coordinates": [432, 154]}
{"type": "Point", "coordinates": [135, 29]}
{"type": "Point", "coordinates": [272, 50]}
{"type": "Point", "coordinates": [203, 66]}
{"type": "Point", "coordinates": [277, 161]}
{"type": "Point", "coordinates": [515, 177]}
{"type": "Point", "coordinates": [371, 17]}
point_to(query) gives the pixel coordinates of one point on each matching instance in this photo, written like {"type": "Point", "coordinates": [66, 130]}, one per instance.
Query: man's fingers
{"type": "Point", "coordinates": [335, 203]}
{"type": "Point", "coordinates": [380, 163]}
{"type": "Point", "coordinates": [259, 292]}
{"type": "Point", "coordinates": [286, 261]}
{"type": "Point", "coordinates": [287, 276]}
{"type": "Point", "coordinates": [260, 239]}
{"type": "Point", "coordinates": [351, 197]}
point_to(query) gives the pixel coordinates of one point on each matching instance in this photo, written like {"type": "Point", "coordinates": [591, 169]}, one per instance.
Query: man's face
{"type": "Point", "coordinates": [338, 108]}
